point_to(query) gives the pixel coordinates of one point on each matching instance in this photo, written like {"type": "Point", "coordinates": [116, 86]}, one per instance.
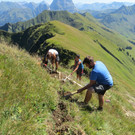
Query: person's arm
{"type": "Point", "coordinates": [92, 82]}
{"type": "Point", "coordinates": [45, 60]}
{"type": "Point", "coordinates": [76, 67]}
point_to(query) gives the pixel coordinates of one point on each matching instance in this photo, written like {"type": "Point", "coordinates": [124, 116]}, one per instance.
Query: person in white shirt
{"type": "Point", "coordinates": [53, 56]}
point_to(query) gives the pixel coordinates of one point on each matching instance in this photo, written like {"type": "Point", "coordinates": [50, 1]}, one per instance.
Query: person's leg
{"type": "Point", "coordinates": [57, 61]}
{"type": "Point", "coordinates": [77, 76]}
{"type": "Point", "coordinates": [53, 66]}
{"type": "Point", "coordinates": [53, 63]}
{"type": "Point", "coordinates": [88, 95]}
{"type": "Point", "coordinates": [80, 78]}
{"type": "Point", "coordinates": [101, 100]}
{"type": "Point", "coordinates": [56, 65]}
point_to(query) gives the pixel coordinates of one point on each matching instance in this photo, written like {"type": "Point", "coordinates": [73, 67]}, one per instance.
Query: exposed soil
{"type": "Point", "coordinates": [62, 121]}
{"type": "Point", "coordinates": [61, 115]}
{"type": "Point", "coordinates": [67, 96]}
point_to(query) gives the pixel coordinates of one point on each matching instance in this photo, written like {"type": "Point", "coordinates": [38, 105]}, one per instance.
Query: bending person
{"type": "Point", "coordinates": [100, 81]}
{"type": "Point", "coordinates": [52, 56]}
{"type": "Point", "coordinates": [78, 67]}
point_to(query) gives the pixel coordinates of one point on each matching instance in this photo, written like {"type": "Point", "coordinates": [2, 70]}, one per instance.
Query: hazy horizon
{"type": "Point", "coordinates": [75, 1]}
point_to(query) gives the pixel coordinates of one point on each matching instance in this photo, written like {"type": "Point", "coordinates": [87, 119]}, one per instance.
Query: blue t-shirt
{"type": "Point", "coordinates": [81, 65]}
{"type": "Point", "coordinates": [101, 75]}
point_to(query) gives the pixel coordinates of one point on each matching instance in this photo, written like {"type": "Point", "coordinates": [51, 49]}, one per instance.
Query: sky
{"type": "Point", "coordinates": [76, 1]}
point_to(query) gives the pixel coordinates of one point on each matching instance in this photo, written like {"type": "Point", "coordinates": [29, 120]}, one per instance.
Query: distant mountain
{"type": "Point", "coordinates": [41, 7]}
{"type": "Point", "coordinates": [76, 20]}
{"type": "Point", "coordinates": [98, 14]}
{"type": "Point", "coordinates": [16, 15]}
{"type": "Point", "coordinates": [6, 6]}
{"type": "Point", "coordinates": [67, 5]}
{"type": "Point", "coordinates": [12, 12]}
{"type": "Point", "coordinates": [122, 20]}
{"type": "Point", "coordinates": [102, 6]}
{"type": "Point", "coordinates": [31, 5]}
{"type": "Point", "coordinates": [83, 22]}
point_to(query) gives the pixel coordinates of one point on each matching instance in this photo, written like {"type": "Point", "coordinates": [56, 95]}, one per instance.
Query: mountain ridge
{"type": "Point", "coordinates": [15, 12]}
{"type": "Point", "coordinates": [103, 6]}
{"type": "Point", "coordinates": [122, 21]}
{"type": "Point", "coordinates": [63, 16]}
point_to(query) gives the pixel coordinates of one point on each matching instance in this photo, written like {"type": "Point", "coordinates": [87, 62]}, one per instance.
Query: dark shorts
{"type": "Point", "coordinates": [101, 89]}
{"type": "Point", "coordinates": [79, 72]}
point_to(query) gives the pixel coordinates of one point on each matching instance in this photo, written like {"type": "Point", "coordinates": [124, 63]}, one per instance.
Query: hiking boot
{"type": "Point", "coordinates": [100, 108]}
{"type": "Point", "coordinates": [82, 104]}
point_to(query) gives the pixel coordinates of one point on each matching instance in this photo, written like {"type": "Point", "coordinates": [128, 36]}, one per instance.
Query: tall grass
{"type": "Point", "coordinates": [28, 94]}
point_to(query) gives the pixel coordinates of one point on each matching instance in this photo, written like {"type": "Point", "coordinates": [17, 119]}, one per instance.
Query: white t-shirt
{"type": "Point", "coordinates": [52, 51]}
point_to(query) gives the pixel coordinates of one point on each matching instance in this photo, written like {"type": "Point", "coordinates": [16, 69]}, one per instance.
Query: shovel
{"type": "Point", "coordinates": [70, 94]}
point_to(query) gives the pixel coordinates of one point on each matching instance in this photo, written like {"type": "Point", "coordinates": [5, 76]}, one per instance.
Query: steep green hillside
{"type": "Point", "coordinates": [30, 103]}
{"type": "Point", "coordinates": [122, 21]}
{"type": "Point", "coordinates": [83, 22]}
{"type": "Point", "coordinates": [26, 93]}
{"type": "Point", "coordinates": [86, 43]}
{"type": "Point", "coordinates": [35, 38]}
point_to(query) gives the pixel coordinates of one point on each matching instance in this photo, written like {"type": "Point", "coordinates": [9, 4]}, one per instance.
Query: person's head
{"type": "Point", "coordinates": [89, 62]}
{"type": "Point", "coordinates": [48, 55]}
{"type": "Point", "coordinates": [77, 57]}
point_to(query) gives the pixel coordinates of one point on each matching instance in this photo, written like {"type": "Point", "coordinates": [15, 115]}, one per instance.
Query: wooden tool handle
{"type": "Point", "coordinates": [73, 92]}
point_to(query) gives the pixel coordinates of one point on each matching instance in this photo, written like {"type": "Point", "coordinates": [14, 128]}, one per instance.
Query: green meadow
{"type": "Point", "coordinates": [30, 100]}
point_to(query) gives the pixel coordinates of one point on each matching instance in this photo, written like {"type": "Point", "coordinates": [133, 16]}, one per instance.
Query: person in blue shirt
{"type": "Point", "coordinates": [100, 81]}
{"type": "Point", "coordinates": [78, 67]}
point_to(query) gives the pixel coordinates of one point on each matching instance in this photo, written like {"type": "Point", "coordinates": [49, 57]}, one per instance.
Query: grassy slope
{"type": "Point", "coordinates": [26, 103]}
{"type": "Point", "coordinates": [83, 22]}
{"type": "Point", "coordinates": [82, 42]}
{"type": "Point", "coordinates": [123, 75]}
{"type": "Point", "coordinates": [26, 93]}
{"type": "Point", "coordinates": [28, 97]}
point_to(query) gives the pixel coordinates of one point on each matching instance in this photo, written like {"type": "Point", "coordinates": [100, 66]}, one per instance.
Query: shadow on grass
{"type": "Point", "coordinates": [75, 100]}
{"type": "Point", "coordinates": [81, 105]}
{"type": "Point", "coordinates": [85, 107]}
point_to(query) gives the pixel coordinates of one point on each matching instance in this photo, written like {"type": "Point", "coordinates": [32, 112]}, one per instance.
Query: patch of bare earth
{"type": "Point", "coordinates": [62, 122]}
